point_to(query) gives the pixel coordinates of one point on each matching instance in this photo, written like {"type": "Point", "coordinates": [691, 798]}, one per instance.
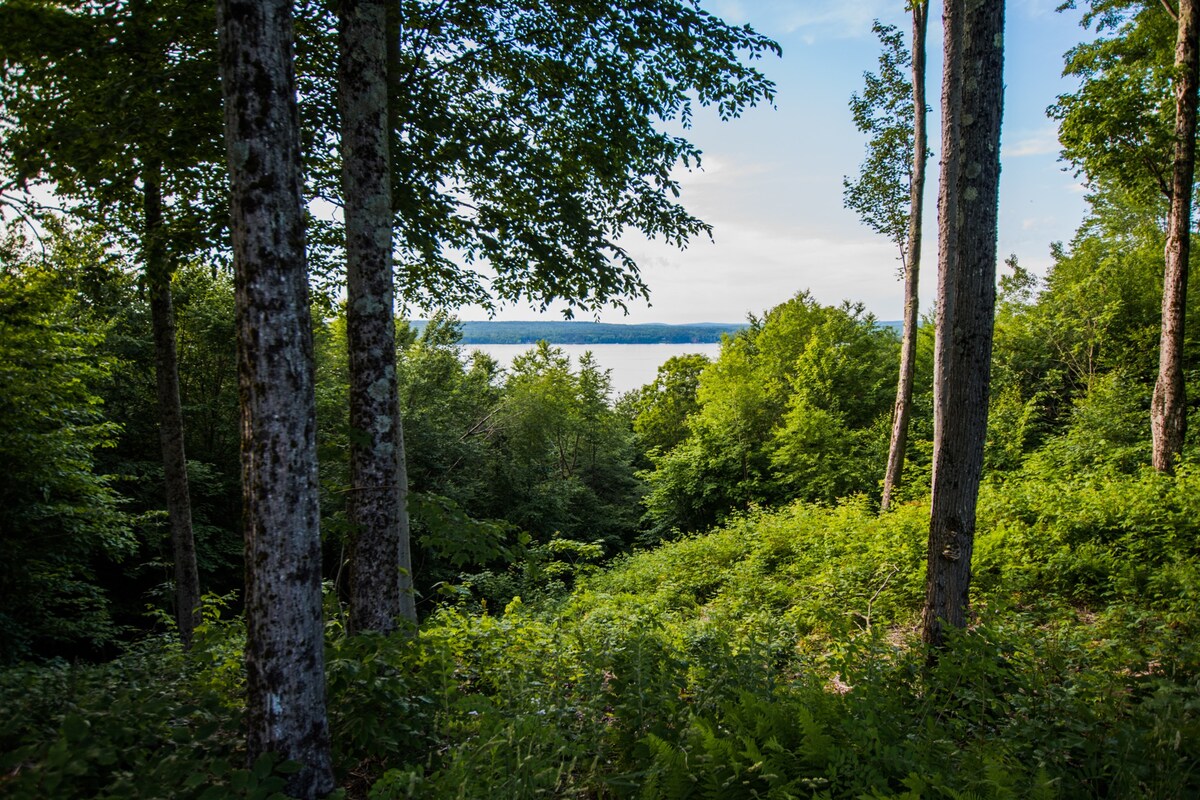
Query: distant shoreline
{"type": "Point", "coordinates": [592, 332]}
{"type": "Point", "coordinates": [570, 332]}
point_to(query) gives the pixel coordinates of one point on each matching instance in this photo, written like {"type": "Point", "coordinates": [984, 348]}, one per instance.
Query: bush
{"type": "Point", "coordinates": [142, 726]}
{"type": "Point", "coordinates": [775, 657]}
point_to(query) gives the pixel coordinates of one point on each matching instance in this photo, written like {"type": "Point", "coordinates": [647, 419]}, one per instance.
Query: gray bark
{"type": "Point", "coordinates": [912, 269]}
{"type": "Point", "coordinates": [972, 98]}
{"type": "Point", "coordinates": [381, 590]}
{"type": "Point", "coordinates": [158, 269]}
{"type": "Point", "coordinates": [285, 677]}
{"type": "Point", "coordinates": [408, 609]}
{"type": "Point", "coordinates": [1168, 408]}
{"type": "Point", "coordinates": [170, 413]}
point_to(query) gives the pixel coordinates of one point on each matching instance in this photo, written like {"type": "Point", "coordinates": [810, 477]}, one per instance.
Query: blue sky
{"type": "Point", "coordinates": [771, 185]}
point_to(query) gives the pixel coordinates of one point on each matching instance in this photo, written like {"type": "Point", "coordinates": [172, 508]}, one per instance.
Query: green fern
{"type": "Point", "coordinates": [669, 776]}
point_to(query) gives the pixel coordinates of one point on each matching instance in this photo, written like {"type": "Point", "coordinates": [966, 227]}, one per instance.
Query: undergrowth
{"type": "Point", "coordinates": [777, 657]}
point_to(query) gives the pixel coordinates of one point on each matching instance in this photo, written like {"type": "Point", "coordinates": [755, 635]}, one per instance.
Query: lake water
{"type": "Point", "coordinates": [632, 365]}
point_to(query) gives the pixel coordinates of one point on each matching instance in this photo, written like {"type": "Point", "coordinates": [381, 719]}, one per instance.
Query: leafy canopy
{"type": "Point", "coordinates": [795, 407]}
{"type": "Point", "coordinates": [1118, 126]}
{"type": "Point", "coordinates": [880, 195]}
{"type": "Point", "coordinates": [529, 137]}
{"type": "Point", "coordinates": [99, 96]}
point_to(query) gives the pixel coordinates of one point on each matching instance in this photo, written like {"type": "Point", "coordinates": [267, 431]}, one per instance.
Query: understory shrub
{"type": "Point", "coordinates": [775, 657]}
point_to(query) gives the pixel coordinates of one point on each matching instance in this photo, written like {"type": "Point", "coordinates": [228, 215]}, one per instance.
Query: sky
{"type": "Point", "coordinates": [771, 183]}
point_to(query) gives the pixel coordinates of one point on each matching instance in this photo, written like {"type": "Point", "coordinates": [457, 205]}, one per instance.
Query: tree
{"type": "Point", "coordinates": [1116, 128]}
{"type": "Point", "coordinates": [381, 588]}
{"type": "Point", "coordinates": [1168, 408]}
{"type": "Point", "coordinates": [889, 194]}
{"type": "Point", "coordinates": [525, 140]}
{"type": "Point", "coordinates": [457, 471]}
{"type": "Point", "coordinates": [972, 98]}
{"type": "Point", "coordinates": [523, 136]}
{"type": "Point", "coordinates": [566, 454]}
{"type": "Point", "coordinates": [1131, 125]}
{"type": "Point", "coordinates": [285, 678]}
{"type": "Point", "coordinates": [659, 410]}
{"type": "Point", "coordinates": [59, 515]}
{"type": "Point", "coordinates": [113, 105]}
{"type": "Point", "coordinates": [1093, 322]}
{"type": "Point", "coordinates": [790, 410]}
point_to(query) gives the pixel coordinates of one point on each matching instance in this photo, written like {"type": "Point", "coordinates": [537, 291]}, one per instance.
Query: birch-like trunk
{"type": "Point", "coordinates": [285, 665]}
{"type": "Point", "coordinates": [972, 98]}
{"type": "Point", "coordinates": [381, 590]}
{"type": "Point", "coordinates": [1168, 408]}
{"type": "Point", "coordinates": [912, 269]}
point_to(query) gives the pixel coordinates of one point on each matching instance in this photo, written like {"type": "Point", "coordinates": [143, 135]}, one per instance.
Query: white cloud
{"type": "Point", "coordinates": [717, 174]}
{"type": "Point", "coordinates": [811, 18]}
{"type": "Point", "coordinates": [834, 18]}
{"type": "Point", "coordinates": [750, 269]}
{"type": "Point", "coordinates": [1034, 223]}
{"type": "Point", "coordinates": [1031, 143]}
{"type": "Point", "coordinates": [1038, 8]}
{"type": "Point", "coordinates": [731, 11]}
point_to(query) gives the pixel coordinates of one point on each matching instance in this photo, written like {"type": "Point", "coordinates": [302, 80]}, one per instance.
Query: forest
{"type": "Point", "coordinates": [261, 536]}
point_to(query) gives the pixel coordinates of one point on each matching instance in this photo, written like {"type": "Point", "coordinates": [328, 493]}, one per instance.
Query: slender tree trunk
{"type": "Point", "coordinates": [380, 563]}
{"type": "Point", "coordinates": [972, 95]}
{"type": "Point", "coordinates": [170, 413]}
{"type": "Point", "coordinates": [912, 269]}
{"type": "Point", "coordinates": [1168, 409]}
{"type": "Point", "coordinates": [285, 666]}
{"type": "Point", "coordinates": [158, 270]}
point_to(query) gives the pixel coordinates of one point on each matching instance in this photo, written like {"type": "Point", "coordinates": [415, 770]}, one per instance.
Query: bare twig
{"type": "Point", "coordinates": [874, 597]}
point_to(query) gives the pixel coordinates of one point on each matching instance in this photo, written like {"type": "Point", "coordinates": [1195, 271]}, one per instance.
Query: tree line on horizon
{"type": "Point", "coordinates": [580, 332]}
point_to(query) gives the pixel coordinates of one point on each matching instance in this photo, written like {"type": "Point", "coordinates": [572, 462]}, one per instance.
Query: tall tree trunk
{"type": "Point", "coordinates": [972, 97]}
{"type": "Point", "coordinates": [285, 664]}
{"type": "Point", "coordinates": [912, 269]}
{"type": "Point", "coordinates": [1168, 409]}
{"type": "Point", "coordinates": [380, 563]}
{"type": "Point", "coordinates": [158, 269]}
{"type": "Point", "coordinates": [170, 413]}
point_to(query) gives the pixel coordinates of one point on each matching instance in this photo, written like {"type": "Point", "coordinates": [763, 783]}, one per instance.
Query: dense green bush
{"type": "Point", "coordinates": [147, 725]}
{"type": "Point", "coordinates": [778, 657]}
{"type": "Point", "coordinates": [797, 406]}
{"type": "Point", "coordinates": [59, 514]}
{"type": "Point", "coordinates": [775, 657]}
